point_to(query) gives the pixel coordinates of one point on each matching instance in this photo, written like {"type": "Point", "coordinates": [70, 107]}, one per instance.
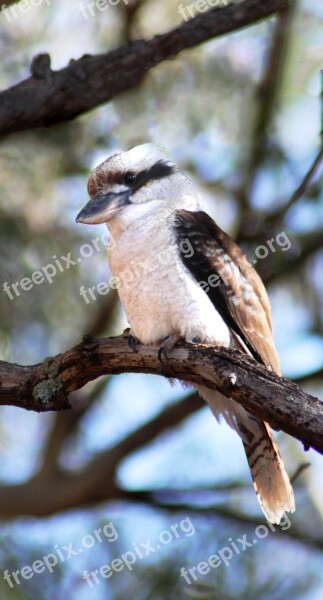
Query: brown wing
{"type": "Point", "coordinates": [231, 283]}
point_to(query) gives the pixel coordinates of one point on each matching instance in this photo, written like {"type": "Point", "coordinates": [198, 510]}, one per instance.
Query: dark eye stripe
{"type": "Point", "coordinates": [159, 170]}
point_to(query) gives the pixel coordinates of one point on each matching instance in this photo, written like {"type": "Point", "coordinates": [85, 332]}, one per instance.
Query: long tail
{"type": "Point", "coordinates": [270, 480]}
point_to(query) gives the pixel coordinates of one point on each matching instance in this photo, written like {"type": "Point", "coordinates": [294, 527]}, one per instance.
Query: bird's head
{"type": "Point", "coordinates": [130, 183]}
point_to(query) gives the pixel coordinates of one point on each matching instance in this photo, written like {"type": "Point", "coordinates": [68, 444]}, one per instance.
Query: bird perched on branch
{"type": "Point", "coordinates": [180, 276]}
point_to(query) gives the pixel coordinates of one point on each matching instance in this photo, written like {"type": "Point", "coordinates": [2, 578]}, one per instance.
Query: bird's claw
{"type": "Point", "coordinates": [161, 351]}
{"type": "Point", "coordinates": [168, 344]}
{"type": "Point", "coordinates": [132, 342]}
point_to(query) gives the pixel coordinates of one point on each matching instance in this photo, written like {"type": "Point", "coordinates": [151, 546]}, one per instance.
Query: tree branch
{"type": "Point", "coordinates": [8, 3]}
{"type": "Point", "coordinates": [281, 403]}
{"type": "Point", "coordinates": [267, 94]}
{"type": "Point", "coordinates": [49, 97]}
{"type": "Point", "coordinates": [176, 502]}
{"type": "Point", "coordinates": [275, 218]}
{"type": "Point", "coordinates": [309, 377]}
{"type": "Point", "coordinates": [269, 223]}
{"type": "Point", "coordinates": [53, 489]}
{"type": "Point", "coordinates": [307, 245]}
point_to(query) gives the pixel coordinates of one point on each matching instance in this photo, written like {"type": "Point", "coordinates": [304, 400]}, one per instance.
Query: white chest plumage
{"type": "Point", "coordinates": [158, 293]}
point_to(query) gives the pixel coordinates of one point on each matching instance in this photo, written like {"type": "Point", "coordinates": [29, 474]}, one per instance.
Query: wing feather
{"type": "Point", "coordinates": [230, 281]}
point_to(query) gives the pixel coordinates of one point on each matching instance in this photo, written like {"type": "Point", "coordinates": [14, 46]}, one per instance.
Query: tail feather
{"type": "Point", "coordinates": [270, 480]}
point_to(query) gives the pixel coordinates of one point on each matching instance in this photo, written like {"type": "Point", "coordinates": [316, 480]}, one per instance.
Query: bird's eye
{"type": "Point", "coordinates": [129, 178]}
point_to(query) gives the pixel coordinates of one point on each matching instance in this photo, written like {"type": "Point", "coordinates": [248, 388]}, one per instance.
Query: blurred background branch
{"type": "Point", "coordinates": [50, 97]}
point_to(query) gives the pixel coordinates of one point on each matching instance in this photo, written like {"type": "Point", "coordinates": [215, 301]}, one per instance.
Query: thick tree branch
{"type": "Point", "coordinates": [283, 404]}
{"type": "Point", "coordinates": [50, 97]}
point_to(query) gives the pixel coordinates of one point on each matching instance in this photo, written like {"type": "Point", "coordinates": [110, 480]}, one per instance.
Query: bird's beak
{"type": "Point", "coordinates": [102, 207]}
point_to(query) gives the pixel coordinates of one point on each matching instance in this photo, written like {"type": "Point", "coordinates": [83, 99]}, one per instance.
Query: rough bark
{"type": "Point", "coordinates": [46, 386]}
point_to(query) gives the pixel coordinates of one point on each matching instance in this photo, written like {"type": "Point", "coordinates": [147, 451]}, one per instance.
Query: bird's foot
{"type": "Point", "coordinates": [167, 345]}
{"type": "Point", "coordinates": [132, 340]}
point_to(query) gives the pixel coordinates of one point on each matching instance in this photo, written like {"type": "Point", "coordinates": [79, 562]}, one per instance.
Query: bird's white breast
{"type": "Point", "coordinates": [158, 293]}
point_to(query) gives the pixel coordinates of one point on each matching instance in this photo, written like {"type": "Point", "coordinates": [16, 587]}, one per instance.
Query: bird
{"type": "Point", "coordinates": [180, 276]}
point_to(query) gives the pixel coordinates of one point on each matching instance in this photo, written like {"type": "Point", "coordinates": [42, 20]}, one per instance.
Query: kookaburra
{"type": "Point", "coordinates": [203, 290]}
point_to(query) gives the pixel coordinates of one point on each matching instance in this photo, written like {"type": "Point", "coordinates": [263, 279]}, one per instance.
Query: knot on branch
{"type": "Point", "coordinates": [46, 392]}
{"type": "Point", "coordinates": [89, 343]}
{"type": "Point", "coordinates": [230, 378]}
{"type": "Point", "coordinates": [40, 67]}
{"type": "Point", "coordinates": [49, 391]}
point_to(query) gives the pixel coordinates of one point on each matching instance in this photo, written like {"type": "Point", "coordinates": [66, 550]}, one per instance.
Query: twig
{"type": "Point", "coordinates": [299, 471]}
{"type": "Point", "coordinates": [276, 217]}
